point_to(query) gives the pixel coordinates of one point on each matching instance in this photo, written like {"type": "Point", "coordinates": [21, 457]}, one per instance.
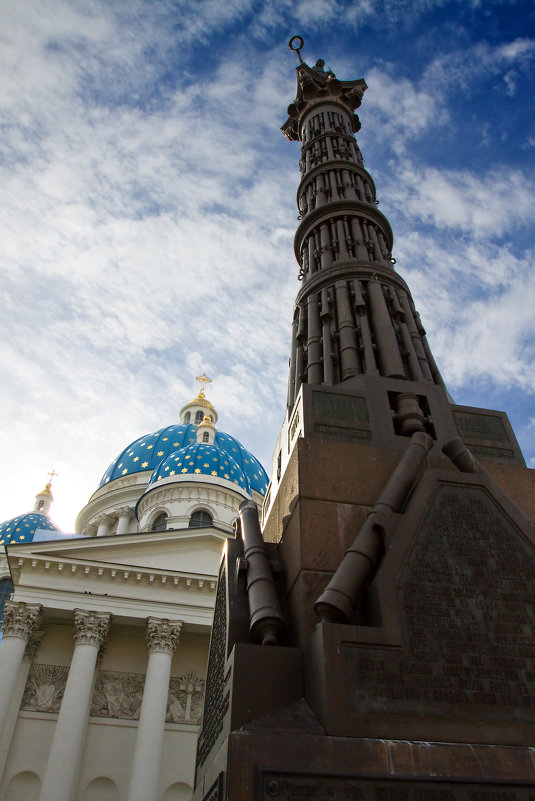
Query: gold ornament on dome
{"type": "Point", "coordinates": [200, 399]}
{"type": "Point", "coordinates": [203, 380]}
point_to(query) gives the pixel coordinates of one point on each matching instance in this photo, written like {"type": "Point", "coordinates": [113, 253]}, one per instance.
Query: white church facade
{"type": "Point", "coordinates": [106, 632]}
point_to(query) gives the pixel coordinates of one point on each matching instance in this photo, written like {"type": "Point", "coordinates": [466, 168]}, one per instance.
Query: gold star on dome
{"type": "Point", "coordinates": [184, 470]}
{"type": "Point", "coordinates": [175, 444]}
{"type": "Point", "coordinates": [120, 465]}
{"type": "Point", "coordinates": [17, 529]}
{"type": "Point", "coordinates": [197, 470]}
{"type": "Point", "coordinates": [149, 447]}
{"type": "Point", "coordinates": [166, 468]}
{"type": "Point", "coordinates": [125, 471]}
{"type": "Point", "coordinates": [206, 464]}
{"type": "Point", "coordinates": [21, 537]}
{"type": "Point", "coordinates": [164, 439]}
{"type": "Point", "coordinates": [226, 475]}
{"type": "Point", "coordinates": [172, 473]}
{"type": "Point", "coordinates": [214, 472]}
{"type": "Point", "coordinates": [144, 464]}
{"type": "Point", "coordinates": [159, 478]}
{"type": "Point", "coordinates": [160, 453]}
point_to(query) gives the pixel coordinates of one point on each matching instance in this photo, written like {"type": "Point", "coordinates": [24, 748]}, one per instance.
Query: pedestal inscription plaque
{"type": "Point", "coordinates": [292, 787]}
{"type": "Point", "coordinates": [466, 596]}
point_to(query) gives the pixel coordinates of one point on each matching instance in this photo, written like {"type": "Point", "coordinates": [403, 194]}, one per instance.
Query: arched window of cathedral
{"type": "Point", "coordinates": [200, 518]}
{"type": "Point", "coordinates": [187, 417]}
{"type": "Point", "coordinates": [160, 523]}
{"type": "Point", "coordinates": [206, 436]}
{"type": "Point", "coordinates": [6, 588]}
{"type": "Point", "coordinates": [198, 417]}
{"type": "Point", "coordinates": [40, 505]}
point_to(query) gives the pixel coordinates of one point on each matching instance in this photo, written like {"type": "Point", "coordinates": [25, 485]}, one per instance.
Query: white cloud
{"type": "Point", "coordinates": [148, 214]}
{"type": "Point", "coordinates": [491, 204]}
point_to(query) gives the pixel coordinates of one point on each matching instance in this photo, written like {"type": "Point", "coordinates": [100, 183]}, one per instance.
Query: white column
{"type": "Point", "coordinates": [162, 639]}
{"type": "Point", "coordinates": [125, 514]}
{"type": "Point", "coordinates": [103, 522]}
{"type": "Point", "coordinates": [90, 631]}
{"type": "Point", "coordinates": [11, 717]}
{"type": "Point", "coordinates": [20, 620]}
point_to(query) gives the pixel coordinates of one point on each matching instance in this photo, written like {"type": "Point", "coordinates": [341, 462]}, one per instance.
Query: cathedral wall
{"type": "Point", "coordinates": [111, 732]}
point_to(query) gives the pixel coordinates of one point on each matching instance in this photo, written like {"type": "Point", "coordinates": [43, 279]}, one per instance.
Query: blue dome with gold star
{"type": "Point", "coordinates": [201, 459]}
{"type": "Point", "coordinates": [22, 528]}
{"type": "Point", "coordinates": [152, 451]}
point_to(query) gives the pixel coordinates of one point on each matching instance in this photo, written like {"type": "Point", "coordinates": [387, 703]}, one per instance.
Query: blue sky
{"type": "Point", "coordinates": [148, 211]}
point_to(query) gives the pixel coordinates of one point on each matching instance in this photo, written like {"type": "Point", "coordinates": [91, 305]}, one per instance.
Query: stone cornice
{"type": "Point", "coordinates": [70, 568]}
{"type": "Point", "coordinates": [349, 270]}
{"type": "Point", "coordinates": [334, 164]}
{"type": "Point", "coordinates": [337, 208]}
{"type": "Point", "coordinates": [162, 634]}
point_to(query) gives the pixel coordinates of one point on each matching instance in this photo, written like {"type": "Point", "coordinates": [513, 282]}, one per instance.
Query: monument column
{"type": "Point", "coordinates": [90, 631]}
{"type": "Point", "coordinates": [20, 621]}
{"type": "Point", "coordinates": [162, 639]}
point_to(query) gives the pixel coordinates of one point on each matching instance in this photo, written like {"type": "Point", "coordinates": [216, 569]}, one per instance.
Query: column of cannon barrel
{"type": "Point", "coordinates": [354, 314]}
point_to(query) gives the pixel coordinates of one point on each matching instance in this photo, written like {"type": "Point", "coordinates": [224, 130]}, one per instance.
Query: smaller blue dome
{"type": "Point", "coordinates": [22, 528]}
{"type": "Point", "coordinates": [201, 459]}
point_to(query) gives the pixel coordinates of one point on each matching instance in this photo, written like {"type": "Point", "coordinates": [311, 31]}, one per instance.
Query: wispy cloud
{"type": "Point", "coordinates": [148, 212]}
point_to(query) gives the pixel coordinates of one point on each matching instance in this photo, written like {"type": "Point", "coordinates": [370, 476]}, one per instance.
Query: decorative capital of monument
{"type": "Point", "coordinates": [21, 619]}
{"type": "Point", "coordinates": [91, 628]}
{"type": "Point", "coordinates": [163, 634]}
{"type": "Point", "coordinates": [316, 84]}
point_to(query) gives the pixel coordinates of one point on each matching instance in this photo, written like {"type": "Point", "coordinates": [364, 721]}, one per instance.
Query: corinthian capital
{"type": "Point", "coordinates": [21, 619]}
{"type": "Point", "coordinates": [102, 518]}
{"type": "Point", "coordinates": [162, 634]}
{"type": "Point", "coordinates": [124, 511]}
{"type": "Point", "coordinates": [91, 628]}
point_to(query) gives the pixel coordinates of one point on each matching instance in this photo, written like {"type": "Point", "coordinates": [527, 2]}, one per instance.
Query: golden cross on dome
{"type": "Point", "coordinates": [203, 379]}
{"type": "Point", "coordinates": [52, 474]}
